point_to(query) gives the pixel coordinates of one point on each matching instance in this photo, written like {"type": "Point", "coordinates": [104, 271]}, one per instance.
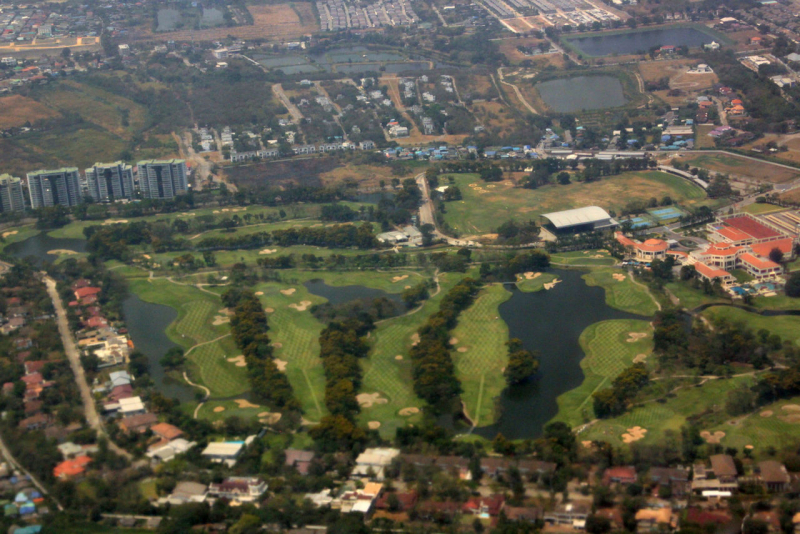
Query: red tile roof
{"type": "Point", "coordinates": [763, 249]}
{"type": "Point", "coordinates": [86, 291]}
{"type": "Point", "coordinates": [710, 272]}
{"type": "Point", "coordinates": [758, 263]}
{"type": "Point", "coordinates": [751, 227]}
{"type": "Point", "coordinates": [71, 468]}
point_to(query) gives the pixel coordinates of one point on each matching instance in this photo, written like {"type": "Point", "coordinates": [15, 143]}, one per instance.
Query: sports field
{"type": "Point", "coordinates": [759, 209]}
{"type": "Point", "coordinates": [608, 353]}
{"type": "Point", "coordinates": [480, 354]}
{"type": "Point", "coordinates": [486, 205]}
{"type": "Point", "coordinates": [623, 293]}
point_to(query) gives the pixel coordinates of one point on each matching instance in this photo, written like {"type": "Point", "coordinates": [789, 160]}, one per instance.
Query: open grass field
{"type": "Point", "coordinates": [786, 326]}
{"type": "Point", "coordinates": [384, 373]}
{"type": "Point", "coordinates": [652, 71]}
{"type": "Point", "coordinates": [760, 209]}
{"type": "Point", "coordinates": [271, 22]}
{"type": "Point", "coordinates": [758, 171]}
{"type": "Point", "coordinates": [485, 206]}
{"type": "Point", "coordinates": [480, 367]}
{"type": "Point", "coordinates": [671, 415]}
{"type": "Point", "coordinates": [18, 109]}
{"type": "Point", "coordinates": [608, 353]}
{"type": "Point", "coordinates": [689, 297]}
{"type": "Point", "coordinates": [625, 295]}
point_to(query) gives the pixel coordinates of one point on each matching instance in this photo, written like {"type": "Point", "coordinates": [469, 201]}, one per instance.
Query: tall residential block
{"type": "Point", "coordinates": [11, 196]}
{"type": "Point", "coordinates": [162, 178]}
{"type": "Point", "coordinates": [108, 182]}
{"type": "Point", "coordinates": [52, 188]}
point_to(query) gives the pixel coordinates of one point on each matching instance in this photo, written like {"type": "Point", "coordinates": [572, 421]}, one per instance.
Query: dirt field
{"type": "Point", "coordinates": [653, 71]}
{"type": "Point", "coordinates": [518, 24]}
{"type": "Point", "coordinates": [493, 115]}
{"type": "Point", "coordinates": [269, 22]}
{"type": "Point", "coordinates": [16, 110]}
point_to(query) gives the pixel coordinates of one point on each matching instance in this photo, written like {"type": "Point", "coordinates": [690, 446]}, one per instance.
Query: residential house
{"type": "Point", "coordinates": [164, 452]}
{"type": "Point", "coordinates": [372, 462]}
{"type": "Point", "coordinates": [404, 501]}
{"type": "Point", "coordinates": [675, 478]}
{"type": "Point", "coordinates": [724, 467]}
{"type": "Point", "coordinates": [482, 506]}
{"type": "Point", "coordinates": [138, 423]}
{"type": "Point", "coordinates": [166, 431]}
{"type": "Point", "coordinates": [655, 520]}
{"type": "Point", "coordinates": [619, 475]}
{"type": "Point", "coordinates": [71, 469]}
{"type": "Point", "coordinates": [299, 459]}
{"type": "Point", "coordinates": [773, 475]}
{"type": "Point", "coordinates": [131, 406]}
{"type": "Point", "coordinates": [240, 489]}
{"type": "Point", "coordinates": [185, 492]}
{"type": "Point", "coordinates": [225, 452]}
{"type": "Point", "coordinates": [569, 514]}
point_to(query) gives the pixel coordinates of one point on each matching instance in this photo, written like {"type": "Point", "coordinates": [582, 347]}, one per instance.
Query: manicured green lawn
{"type": "Point", "coordinates": [624, 294]}
{"type": "Point", "coordinates": [690, 297]}
{"type": "Point", "coordinates": [608, 353]}
{"type": "Point", "coordinates": [741, 276]}
{"type": "Point", "coordinates": [589, 258]}
{"type": "Point", "coordinates": [671, 415]}
{"type": "Point", "coordinates": [391, 377]}
{"type": "Point", "coordinates": [534, 284]}
{"type": "Point", "coordinates": [786, 326]}
{"type": "Point", "coordinates": [487, 205]}
{"type": "Point", "coordinates": [777, 427]}
{"type": "Point", "coordinates": [483, 333]}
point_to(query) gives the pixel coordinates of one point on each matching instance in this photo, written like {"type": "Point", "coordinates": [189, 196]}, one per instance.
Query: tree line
{"type": "Point", "coordinates": [433, 371]}
{"type": "Point", "coordinates": [249, 330]}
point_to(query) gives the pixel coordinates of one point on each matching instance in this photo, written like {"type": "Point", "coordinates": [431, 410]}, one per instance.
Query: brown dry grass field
{"type": "Point", "coordinates": [475, 84]}
{"type": "Point", "coordinates": [366, 176]}
{"type": "Point", "coordinates": [745, 168]}
{"type": "Point", "coordinates": [269, 22]}
{"type": "Point", "coordinates": [791, 155]}
{"type": "Point", "coordinates": [672, 100]}
{"type": "Point", "coordinates": [518, 24]}
{"type": "Point", "coordinates": [494, 115]}
{"type": "Point", "coordinates": [791, 196]}
{"type": "Point", "coordinates": [702, 139]}
{"type": "Point", "coordinates": [653, 71]}
{"type": "Point", "coordinates": [508, 47]}
{"type": "Point", "coordinates": [16, 110]}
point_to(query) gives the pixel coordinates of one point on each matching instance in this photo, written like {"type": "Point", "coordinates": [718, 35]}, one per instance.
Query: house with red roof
{"type": "Point", "coordinates": [650, 250]}
{"type": "Point", "coordinates": [623, 474]}
{"type": "Point", "coordinates": [83, 292]}
{"type": "Point", "coordinates": [73, 468]}
{"type": "Point", "coordinates": [490, 505]}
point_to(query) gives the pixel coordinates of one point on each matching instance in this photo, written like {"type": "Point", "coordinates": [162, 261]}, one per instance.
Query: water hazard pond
{"type": "Point", "coordinates": [550, 322]}
{"type": "Point", "coordinates": [635, 42]}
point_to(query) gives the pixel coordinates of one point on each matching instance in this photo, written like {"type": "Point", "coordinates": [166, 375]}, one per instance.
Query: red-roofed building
{"type": "Point", "coordinates": [490, 505]}
{"type": "Point", "coordinates": [96, 321]}
{"type": "Point", "coordinates": [624, 474]}
{"type": "Point", "coordinates": [712, 273]}
{"type": "Point", "coordinates": [125, 391]}
{"type": "Point", "coordinates": [34, 366]}
{"type": "Point", "coordinates": [166, 431]}
{"type": "Point", "coordinates": [648, 251]}
{"type": "Point", "coordinates": [742, 229]}
{"type": "Point", "coordinates": [786, 246]}
{"type": "Point", "coordinates": [84, 292]}
{"type": "Point", "coordinates": [759, 268]}
{"type": "Point", "coordinates": [405, 501]}
{"type": "Point", "coordinates": [71, 468]}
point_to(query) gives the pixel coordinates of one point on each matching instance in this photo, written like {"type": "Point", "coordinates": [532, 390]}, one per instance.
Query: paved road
{"type": "Point", "coordinates": [16, 465]}
{"type": "Point", "coordinates": [295, 113]}
{"type": "Point", "coordinates": [74, 357]}
{"type": "Point", "coordinates": [426, 214]}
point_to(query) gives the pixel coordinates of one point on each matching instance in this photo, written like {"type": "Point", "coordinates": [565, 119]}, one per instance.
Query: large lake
{"type": "Point", "coordinates": [639, 41]}
{"type": "Point", "coordinates": [566, 95]}
{"type": "Point", "coordinates": [550, 322]}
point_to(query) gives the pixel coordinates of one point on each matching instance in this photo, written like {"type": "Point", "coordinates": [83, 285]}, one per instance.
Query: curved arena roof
{"type": "Point", "coordinates": [577, 217]}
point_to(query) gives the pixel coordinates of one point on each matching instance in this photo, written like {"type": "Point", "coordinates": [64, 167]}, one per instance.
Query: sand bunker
{"type": "Point", "coordinates": [791, 408]}
{"type": "Point", "coordinates": [749, 447]}
{"type": "Point", "coordinates": [399, 278]}
{"type": "Point", "coordinates": [278, 345]}
{"type": "Point", "coordinates": [586, 443]}
{"type": "Point", "coordinates": [302, 305]}
{"type": "Point", "coordinates": [60, 251]}
{"type": "Point", "coordinates": [766, 413]}
{"type": "Point", "coordinates": [368, 399]}
{"type": "Point", "coordinates": [398, 357]}
{"type": "Point", "coordinates": [115, 221]}
{"type": "Point", "coordinates": [288, 292]}
{"type": "Point", "coordinates": [12, 232]}
{"type": "Point", "coordinates": [461, 349]}
{"type": "Point", "coordinates": [269, 418]}
{"type": "Point", "coordinates": [246, 404]}
{"type": "Point", "coordinates": [550, 285]}
{"type": "Point", "coordinates": [619, 277]}
{"type": "Point", "coordinates": [633, 337]}
{"type": "Point", "coordinates": [147, 256]}
{"type": "Point", "coordinates": [634, 434]}
{"type": "Point", "coordinates": [640, 358]}
{"type": "Point", "coordinates": [269, 310]}
{"type": "Point", "coordinates": [239, 361]}
{"type": "Point", "coordinates": [407, 287]}
{"type": "Point", "coordinates": [280, 364]}
{"type": "Point", "coordinates": [454, 341]}
{"type": "Point", "coordinates": [258, 293]}
{"type": "Point", "coordinates": [220, 319]}
{"type": "Point", "coordinates": [405, 412]}
{"type": "Point", "coordinates": [268, 251]}
{"type": "Point", "coordinates": [716, 437]}
{"type": "Point", "coordinates": [219, 409]}
{"type": "Point", "coordinates": [793, 418]}
{"type": "Point", "coordinates": [532, 276]}
{"type": "Point", "coordinates": [374, 425]}
{"type": "Point", "coordinates": [415, 339]}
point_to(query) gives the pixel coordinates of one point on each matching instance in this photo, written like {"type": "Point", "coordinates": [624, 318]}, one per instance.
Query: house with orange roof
{"type": "Point", "coordinates": [759, 268]}
{"type": "Point", "coordinates": [70, 469]}
{"type": "Point", "coordinates": [712, 273]}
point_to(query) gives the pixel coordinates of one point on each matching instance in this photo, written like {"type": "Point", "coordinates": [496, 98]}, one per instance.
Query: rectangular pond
{"type": "Point", "coordinates": [567, 95]}
{"type": "Point", "coordinates": [641, 41]}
